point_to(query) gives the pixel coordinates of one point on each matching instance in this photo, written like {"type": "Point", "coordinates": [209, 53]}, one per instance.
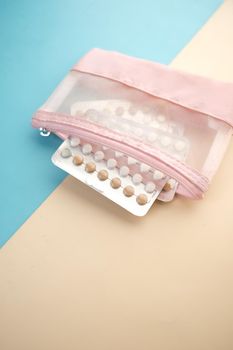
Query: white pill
{"type": "Point", "coordinates": [138, 132]}
{"type": "Point", "coordinates": [132, 110]}
{"type": "Point", "coordinates": [125, 127]}
{"type": "Point", "coordinates": [65, 153]}
{"type": "Point", "coordinates": [144, 168]}
{"type": "Point", "coordinates": [146, 109]}
{"type": "Point", "coordinates": [147, 118]}
{"type": "Point", "coordinates": [99, 155]}
{"type": "Point", "coordinates": [158, 175]}
{"type": "Point", "coordinates": [131, 161]}
{"type": "Point", "coordinates": [106, 123]}
{"type": "Point", "coordinates": [92, 114]}
{"type": "Point", "coordinates": [179, 145]}
{"type": "Point", "coordinates": [150, 187]}
{"type": "Point", "coordinates": [170, 130]}
{"type": "Point", "coordinates": [124, 171]}
{"type": "Point", "coordinates": [87, 148]}
{"type": "Point", "coordinates": [106, 112]}
{"type": "Point", "coordinates": [74, 141]}
{"type": "Point", "coordinates": [152, 137]}
{"type": "Point", "coordinates": [118, 154]}
{"type": "Point", "coordinates": [140, 117]}
{"type": "Point", "coordinates": [164, 127]}
{"type": "Point", "coordinates": [111, 163]}
{"type": "Point", "coordinates": [119, 111]}
{"type": "Point", "coordinates": [137, 179]}
{"type": "Point", "coordinates": [78, 113]}
{"type": "Point", "coordinates": [165, 141]}
{"type": "Point", "coordinates": [178, 156]}
{"type": "Point", "coordinates": [161, 118]}
{"type": "Point", "coordinates": [154, 124]}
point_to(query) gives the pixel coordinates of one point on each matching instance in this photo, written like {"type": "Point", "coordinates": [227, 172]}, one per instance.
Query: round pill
{"type": "Point", "coordinates": [142, 199]}
{"type": "Point", "coordinates": [87, 148]}
{"type": "Point", "coordinates": [74, 141]}
{"type": "Point", "coordinates": [124, 171]}
{"type": "Point", "coordinates": [140, 117]}
{"type": "Point", "coordinates": [146, 109]}
{"type": "Point", "coordinates": [137, 179]}
{"type": "Point", "coordinates": [161, 118]}
{"type": "Point", "coordinates": [105, 123]}
{"type": "Point", "coordinates": [118, 154]}
{"type": "Point", "coordinates": [179, 145]}
{"type": "Point", "coordinates": [164, 127]}
{"type": "Point", "coordinates": [111, 163]}
{"type": "Point", "coordinates": [92, 114]}
{"type": "Point", "coordinates": [116, 182]}
{"type": "Point", "coordinates": [165, 141]}
{"type": "Point", "coordinates": [154, 124]}
{"type": "Point", "coordinates": [132, 110]}
{"type": "Point", "coordinates": [150, 187]}
{"type": "Point", "coordinates": [158, 175]}
{"type": "Point", "coordinates": [78, 159]}
{"type": "Point", "coordinates": [65, 153]}
{"type": "Point", "coordinates": [167, 187]}
{"type": "Point", "coordinates": [125, 127]}
{"type": "Point", "coordinates": [106, 112]}
{"type": "Point", "coordinates": [138, 132]}
{"type": "Point", "coordinates": [147, 118]}
{"type": "Point", "coordinates": [152, 137]}
{"type": "Point", "coordinates": [128, 191]}
{"type": "Point", "coordinates": [90, 167]}
{"type": "Point", "coordinates": [131, 161]}
{"type": "Point", "coordinates": [102, 175]}
{"type": "Point", "coordinates": [99, 155]}
{"type": "Point", "coordinates": [79, 113]}
{"type": "Point", "coordinates": [178, 156]}
{"type": "Point", "coordinates": [144, 168]}
{"type": "Point", "coordinates": [119, 111]}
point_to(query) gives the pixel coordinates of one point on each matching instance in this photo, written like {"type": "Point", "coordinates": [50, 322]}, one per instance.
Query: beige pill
{"type": "Point", "coordinates": [78, 160]}
{"type": "Point", "coordinates": [116, 182]}
{"type": "Point", "coordinates": [119, 111]}
{"type": "Point", "coordinates": [90, 167]}
{"type": "Point", "coordinates": [167, 187]}
{"type": "Point", "coordinates": [128, 191]}
{"type": "Point", "coordinates": [142, 199]}
{"type": "Point", "coordinates": [146, 109]}
{"type": "Point", "coordinates": [132, 110]}
{"type": "Point", "coordinates": [102, 175]}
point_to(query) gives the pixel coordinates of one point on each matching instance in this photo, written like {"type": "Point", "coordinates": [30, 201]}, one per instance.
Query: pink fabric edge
{"type": "Point", "coordinates": [42, 118]}
{"type": "Point", "coordinates": [194, 92]}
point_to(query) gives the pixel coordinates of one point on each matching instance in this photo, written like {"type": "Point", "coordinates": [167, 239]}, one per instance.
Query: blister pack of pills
{"type": "Point", "coordinates": [122, 179]}
{"type": "Point", "coordinates": [144, 123]}
{"type": "Point", "coordinates": [138, 131]}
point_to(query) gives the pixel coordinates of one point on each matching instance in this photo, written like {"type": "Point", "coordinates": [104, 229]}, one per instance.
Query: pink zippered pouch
{"type": "Point", "coordinates": [173, 121]}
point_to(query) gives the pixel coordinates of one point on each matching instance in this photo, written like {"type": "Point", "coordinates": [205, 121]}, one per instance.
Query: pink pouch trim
{"type": "Point", "coordinates": [193, 183]}
{"type": "Point", "coordinates": [197, 93]}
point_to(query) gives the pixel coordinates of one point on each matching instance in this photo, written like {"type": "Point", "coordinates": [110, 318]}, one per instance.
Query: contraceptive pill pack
{"type": "Point", "coordinates": [137, 131]}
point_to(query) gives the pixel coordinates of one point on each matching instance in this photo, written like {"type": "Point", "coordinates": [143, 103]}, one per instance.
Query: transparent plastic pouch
{"type": "Point", "coordinates": [175, 122]}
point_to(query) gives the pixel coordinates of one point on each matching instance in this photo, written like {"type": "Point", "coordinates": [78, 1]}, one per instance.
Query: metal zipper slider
{"type": "Point", "coordinates": [44, 132]}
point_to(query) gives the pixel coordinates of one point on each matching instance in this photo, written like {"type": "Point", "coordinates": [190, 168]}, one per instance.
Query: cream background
{"type": "Point", "coordinates": [83, 274]}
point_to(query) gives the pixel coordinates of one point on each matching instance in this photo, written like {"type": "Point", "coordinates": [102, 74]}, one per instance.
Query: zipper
{"type": "Point", "coordinates": [193, 182]}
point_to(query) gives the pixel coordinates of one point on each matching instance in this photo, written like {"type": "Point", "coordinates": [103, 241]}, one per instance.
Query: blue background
{"type": "Point", "coordinates": [39, 42]}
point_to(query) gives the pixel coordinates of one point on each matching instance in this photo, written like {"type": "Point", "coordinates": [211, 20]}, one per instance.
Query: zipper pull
{"type": "Point", "coordinates": [44, 132]}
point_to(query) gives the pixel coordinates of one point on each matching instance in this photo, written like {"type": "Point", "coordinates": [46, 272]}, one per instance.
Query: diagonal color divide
{"type": "Point", "coordinates": [40, 41]}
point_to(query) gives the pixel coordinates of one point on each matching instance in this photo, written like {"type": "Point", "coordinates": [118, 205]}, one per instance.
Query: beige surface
{"type": "Point", "coordinates": [83, 274]}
